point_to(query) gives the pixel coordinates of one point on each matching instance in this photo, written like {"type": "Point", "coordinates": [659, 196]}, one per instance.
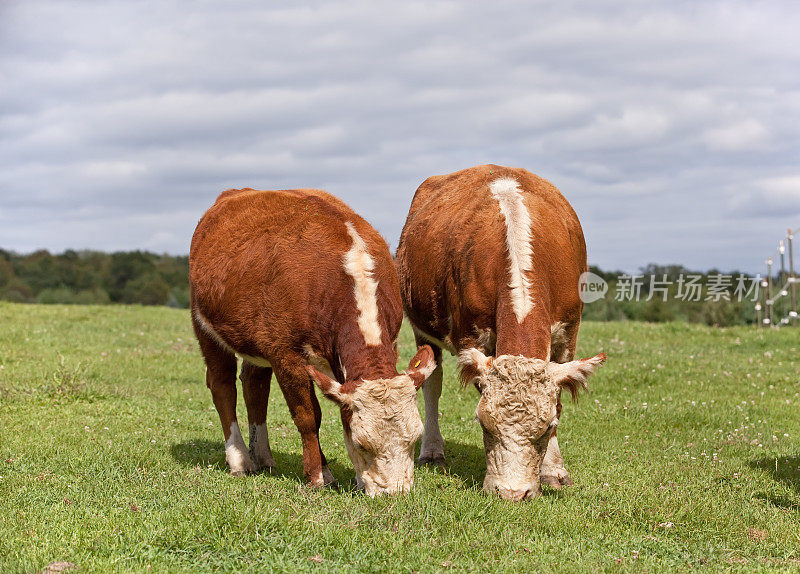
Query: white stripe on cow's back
{"type": "Point", "coordinates": [518, 242]}
{"type": "Point", "coordinates": [358, 263]}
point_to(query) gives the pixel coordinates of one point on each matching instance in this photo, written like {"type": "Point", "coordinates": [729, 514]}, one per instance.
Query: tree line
{"type": "Point", "coordinates": [656, 294]}
{"type": "Point", "coordinates": [95, 277]}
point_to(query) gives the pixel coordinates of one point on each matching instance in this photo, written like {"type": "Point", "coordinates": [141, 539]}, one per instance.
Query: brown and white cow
{"type": "Point", "coordinates": [296, 283]}
{"type": "Point", "coordinates": [489, 261]}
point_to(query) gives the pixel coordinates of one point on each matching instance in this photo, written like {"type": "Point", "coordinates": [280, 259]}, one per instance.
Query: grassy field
{"type": "Point", "coordinates": [686, 455]}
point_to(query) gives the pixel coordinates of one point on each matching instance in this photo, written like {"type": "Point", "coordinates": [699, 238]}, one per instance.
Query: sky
{"type": "Point", "coordinates": [673, 128]}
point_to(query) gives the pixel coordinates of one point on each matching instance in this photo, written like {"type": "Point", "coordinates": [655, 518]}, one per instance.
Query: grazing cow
{"type": "Point", "coordinates": [489, 261]}
{"type": "Point", "coordinates": [296, 283]}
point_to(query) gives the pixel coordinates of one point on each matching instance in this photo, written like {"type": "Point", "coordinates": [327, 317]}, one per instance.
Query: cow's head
{"type": "Point", "coordinates": [381, 423]}
{"type": "Point", "coordinates": [517, 412]}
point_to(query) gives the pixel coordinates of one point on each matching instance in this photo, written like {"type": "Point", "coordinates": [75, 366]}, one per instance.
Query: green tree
{"type": "Point", "coordinates": [126, 267]}
{"type": "Point", "coordinates": [148, 289]}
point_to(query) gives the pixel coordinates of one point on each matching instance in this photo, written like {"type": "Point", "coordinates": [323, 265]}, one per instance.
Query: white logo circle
{"type": "Point", "coordinates": [591, 287]}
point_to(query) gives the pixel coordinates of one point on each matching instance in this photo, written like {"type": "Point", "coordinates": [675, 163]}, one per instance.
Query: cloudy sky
{"type": "Point", "coordinates": [672, 127]}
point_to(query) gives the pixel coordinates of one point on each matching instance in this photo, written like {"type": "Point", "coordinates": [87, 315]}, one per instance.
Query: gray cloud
{"type": "Point", "coordinates": [672, 127]}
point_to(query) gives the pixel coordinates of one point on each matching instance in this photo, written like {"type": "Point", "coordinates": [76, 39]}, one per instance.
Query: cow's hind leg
{"type": "Point", "coordinates": [432, 449]}
{"type": "Point", "coordinates": [554, 473]}
{"type": "Point", "coordinates": [221, 380]}
{"type": "Point", "coordinates": [255, 388]}
{"type": "Point", "coordinates": [298, 389]}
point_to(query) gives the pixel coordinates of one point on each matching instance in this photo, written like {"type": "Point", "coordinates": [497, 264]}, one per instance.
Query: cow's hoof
{"type": "Point", "coordinates": [555, 481]}
{"type": "Point", "coordinates": [318, 485]}
{"type": "Point", "coordinates": [239, 463]}
{"type": "Point", "coordinates": [263, 464]}
{"type": "Point", "coordinates": [432, 460]}
{"type": "Point", "coordinates": [551, 481]}
{"type": "Point", "coordinates": [327, 477]}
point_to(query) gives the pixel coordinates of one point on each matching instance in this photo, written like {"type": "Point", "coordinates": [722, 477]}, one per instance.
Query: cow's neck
{"type": "Point", "coordinates": [362, 361]}
{"type": "Point", "coordinates": [529, 337]}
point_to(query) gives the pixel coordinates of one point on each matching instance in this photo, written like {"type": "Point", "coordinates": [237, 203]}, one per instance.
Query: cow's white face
{"type": "Point", "coordinates": [382, 424]}
{"type": "Point", "coordinates": [517, 412]}
{"type": "Point", "coordinates": [383, 428]}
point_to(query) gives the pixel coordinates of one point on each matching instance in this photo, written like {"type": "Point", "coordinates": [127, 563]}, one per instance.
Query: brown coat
{"type": "Point", "coordinates": [454, 266]}
{"type": "Point", "coordinates": [295, 282]}
{"type": "Point", "coordinates": [490, 260]}
{"type": "Point", "coordinates": [266, 272]}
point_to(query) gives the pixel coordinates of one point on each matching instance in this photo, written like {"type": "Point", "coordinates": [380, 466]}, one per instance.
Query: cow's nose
{"type": "Point", "coordinates": [517, 495]}
{"type": "Point", "coordinates": [374, 490]}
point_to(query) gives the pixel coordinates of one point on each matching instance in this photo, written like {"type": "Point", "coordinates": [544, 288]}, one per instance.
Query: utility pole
{"type": "Point", "coordinates": [781, 277]}
{"type": "Point", "coordinates": [793, 299]}
{"type": "Point", "coordinates": [769, 292]}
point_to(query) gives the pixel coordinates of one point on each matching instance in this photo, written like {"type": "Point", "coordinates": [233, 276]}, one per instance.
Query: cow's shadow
{"type": "Point", "coordinates": [784, 469]}
{"type": "Point", "coordinates": [463, 461]}
{"type": "Point", "coordinates": [207, 453]}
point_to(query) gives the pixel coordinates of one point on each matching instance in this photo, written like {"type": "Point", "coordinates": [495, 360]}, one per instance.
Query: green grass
{"type": "Point", "coordinates": [684, 456]}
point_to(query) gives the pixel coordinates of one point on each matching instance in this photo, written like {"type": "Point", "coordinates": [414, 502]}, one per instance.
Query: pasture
{"type": "Point", "coordinates": [686, 455]}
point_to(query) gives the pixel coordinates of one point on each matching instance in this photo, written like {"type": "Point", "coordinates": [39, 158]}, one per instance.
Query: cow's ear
{"type": "Point", "coordinates": [329, 387]}
{"type": "Point", "coordinates": [421, 366]}
{"type": "Point", "coordinates": [574, 375]}
{"type": "Point", "coordinates": [473, 365]}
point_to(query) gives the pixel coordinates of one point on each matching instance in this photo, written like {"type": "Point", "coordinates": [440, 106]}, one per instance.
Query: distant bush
{"type": "Point", "coordinates": [56, 295]}
{"type": "Point", "coordinates": [17, 291]}
{"type": "Point", "coordinates": [178, 297]}
{"type": "Point", "coordinates": [68, 296]}
{"type": "Point", "coordinates": [721, 314]}
{"type": "Point", "coordinates": [147, 289]}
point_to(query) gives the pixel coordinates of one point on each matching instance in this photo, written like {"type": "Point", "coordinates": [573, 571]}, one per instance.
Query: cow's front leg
{"type": "Point", "coordinates": [327, 475]}
{"type": "Point", "coordinates": [432, 449]}
{"type": "Point", "coordinates": [553, 472]}
{"type": "Point", "coordinates": [298, 389]}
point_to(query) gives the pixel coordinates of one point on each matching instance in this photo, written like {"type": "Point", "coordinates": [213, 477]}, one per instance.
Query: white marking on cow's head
{"type": "Point", "coordinates": [517, 412]}
{"type": "Point", "coordinates": [358, 263]}
{"type": "Point", "coordinates": [381, 424]}
{"type": "Point", "coordinates": [518, 242]}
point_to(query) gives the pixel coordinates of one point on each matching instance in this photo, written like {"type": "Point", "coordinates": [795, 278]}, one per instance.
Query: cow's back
{"type": "Point", "coordinates": [454, 260]}
{"type": "Point", "coordinates": [267, 268]}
